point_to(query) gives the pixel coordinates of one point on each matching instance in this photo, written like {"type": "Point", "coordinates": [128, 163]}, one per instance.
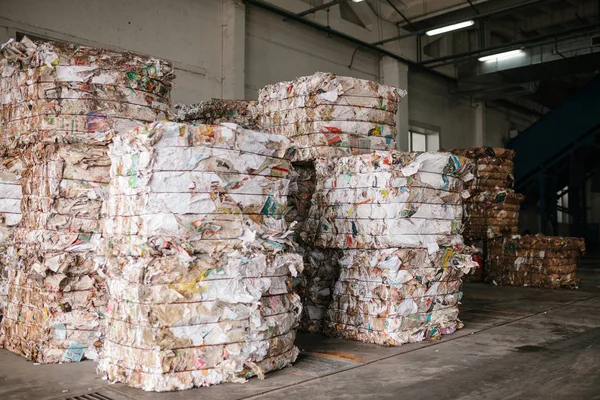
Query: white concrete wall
{"type": "Point", "coordinates": [187, 32]}
{"type": "Point", "coordinates": [202, 38]}
{"type": "Point", "coordinates": [430, 105]}
{"type": "Point", "coordinates": [278, 51]}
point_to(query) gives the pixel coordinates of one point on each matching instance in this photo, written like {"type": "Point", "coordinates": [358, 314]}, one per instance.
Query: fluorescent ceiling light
{"type": "Point", "coordinates": [449, 28]}
{"type": "Point", "coordinates": [356, 1]}
{"type": "Point", "coordinates": [502, 56]}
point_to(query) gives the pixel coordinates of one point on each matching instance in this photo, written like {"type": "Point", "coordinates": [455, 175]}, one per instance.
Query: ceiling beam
{"type": "Point", "coordinates": [319, 8]}
{"type": "Point", "coordinates": [480, 16]}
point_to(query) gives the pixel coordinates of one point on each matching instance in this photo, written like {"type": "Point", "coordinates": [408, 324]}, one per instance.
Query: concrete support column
{"type": "Point", "coordinates": [234, 50]}
{"type": "Point", "coordinates": [479, 123]}
{"type": "Point", "coordinates": [395, 73]}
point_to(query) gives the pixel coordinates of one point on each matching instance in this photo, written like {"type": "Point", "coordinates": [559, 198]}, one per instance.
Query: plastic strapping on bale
{"type": "Point", "coordinates": [537, 261]}
{"type": "Point", "coordinates": [396, 218]}
{"type": "Point", "coordinates": [329, 115]}
{"type": "Point", "coordinates": [60, 106]}
{"type": "Point", "coordinates": [199, 268]}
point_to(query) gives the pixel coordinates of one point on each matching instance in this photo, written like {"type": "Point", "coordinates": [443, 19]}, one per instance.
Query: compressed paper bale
{"type": "Point", "coordinates": [61, 105]}
{"type": "Point", "coordinates": [329, 115]}
{"type": "Point", "coordinates": [537, 261]}
{"type": "Point", "coordinates": [420, 214]}
{"type": "Point", "coordinates": [492, 210]}
{"type": "Point", "coordinates": [199, 276]}
{"type": "Point", "coordinates": [395, 296]}
{"type": "Point", "coordinates": [401, 212]}
{"type": "Point", "coordinates": [216, 111]}
{"type": "Point", "coordinates": [492, 213]}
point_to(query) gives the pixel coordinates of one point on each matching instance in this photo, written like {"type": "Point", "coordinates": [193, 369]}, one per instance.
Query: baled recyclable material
{"type": "Point", "coordinates": [60, 106]}
{"type": "Point", "coordinates": [199, 271]}
{"type": "Point", "coordinates": [493, 208]}
{"type": "Point", "coordinates": [534, 260]}
{"type": "Point", "coordinates": [493, 167]}
{"type": "Point", "coordinates": [396, 220]}
{"type": "Point", "coordinates": [493, 213]}
{"type": "Point", "coordinates": [328, 115]}
{"type": "Point", "coordinates": [396, 296]}
{"type": "Point", "coordinates": [388, 199]}
{"type": "Point", "coordinates": [216, 111]}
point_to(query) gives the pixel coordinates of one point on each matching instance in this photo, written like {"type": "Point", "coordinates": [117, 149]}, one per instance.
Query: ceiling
{"type": "Point", "coordinates": [537, 26]}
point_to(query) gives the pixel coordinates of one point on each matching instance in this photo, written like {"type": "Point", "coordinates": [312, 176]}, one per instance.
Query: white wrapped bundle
{"type": "Point", "coordinates": [198, 274]}
{"type": "Point", "coordinates": [61, 105]}
{"type": "Point", "coordinates": [388, 199]}
{"type": "Point", "coordinates": [328, 115]}
{"type": "Point", "coordinates": [396, 296]}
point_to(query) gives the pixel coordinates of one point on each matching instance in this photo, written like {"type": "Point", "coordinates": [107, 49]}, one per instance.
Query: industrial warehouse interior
{"type": "Point", "coordinates": [299, 199]}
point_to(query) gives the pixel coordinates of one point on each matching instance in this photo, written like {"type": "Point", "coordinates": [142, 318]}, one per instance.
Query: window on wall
{"type": "Point", "coordinates": [563, 206]}
{"type": "Point", "coordinates": [423, 139]}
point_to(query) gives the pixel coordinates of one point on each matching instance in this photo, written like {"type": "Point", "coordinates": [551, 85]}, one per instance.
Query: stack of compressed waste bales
{"type": "Point", "coordinates": [199, 261]}
{"type": "Point", "coordinates": [61, 106]}
{"type": "Point", "coordinates": [396, 218]}
{"type": "Point", "coordinates": [326, 116]}
{"type": "Point", "coordinates": [493, 208]}
{"type": "Point", "coordinates": [216, 111]}
{"type": "Point", "coordinates": [537, 261]}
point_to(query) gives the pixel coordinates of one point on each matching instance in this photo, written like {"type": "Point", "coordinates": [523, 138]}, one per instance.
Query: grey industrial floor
{"type": "Point", "coordinates": [518, 343]}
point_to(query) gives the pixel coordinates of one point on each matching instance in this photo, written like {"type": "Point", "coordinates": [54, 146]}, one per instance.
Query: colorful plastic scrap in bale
{"type": "Point", "coordinates": [535, 260]}
{"type": "Point", "coordinates": [61, 106]}
{"type": "Point", "coordinates": [396, 219]}
{"type": "Point", "coordinates": [200, 274]}
{"type": "Point", "coordinates": [216, 111]}
{"type": "Point", "coordinates": [328, 115]}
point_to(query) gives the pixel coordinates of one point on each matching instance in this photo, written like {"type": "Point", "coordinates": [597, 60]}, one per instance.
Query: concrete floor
{"type": "Point", "coordinates": [518, 343]}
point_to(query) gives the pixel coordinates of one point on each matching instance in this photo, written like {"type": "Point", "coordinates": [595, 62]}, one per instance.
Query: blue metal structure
{"type": "Point", "coordinates": [557, 151]}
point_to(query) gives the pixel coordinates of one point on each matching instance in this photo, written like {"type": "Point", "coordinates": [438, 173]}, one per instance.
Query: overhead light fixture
{"type": "Point", "coordinates": [502, 56]}
{"type": "Point", "coordinates": [357, 1]}
{"type": "Point", "coordinates": [450, 28]}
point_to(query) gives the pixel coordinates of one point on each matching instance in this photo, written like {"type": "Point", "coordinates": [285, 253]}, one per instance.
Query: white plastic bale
{"type": "Point", "coordinates": [198, 257]}
{"type": "Point", "coordinates": [329, 115]}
